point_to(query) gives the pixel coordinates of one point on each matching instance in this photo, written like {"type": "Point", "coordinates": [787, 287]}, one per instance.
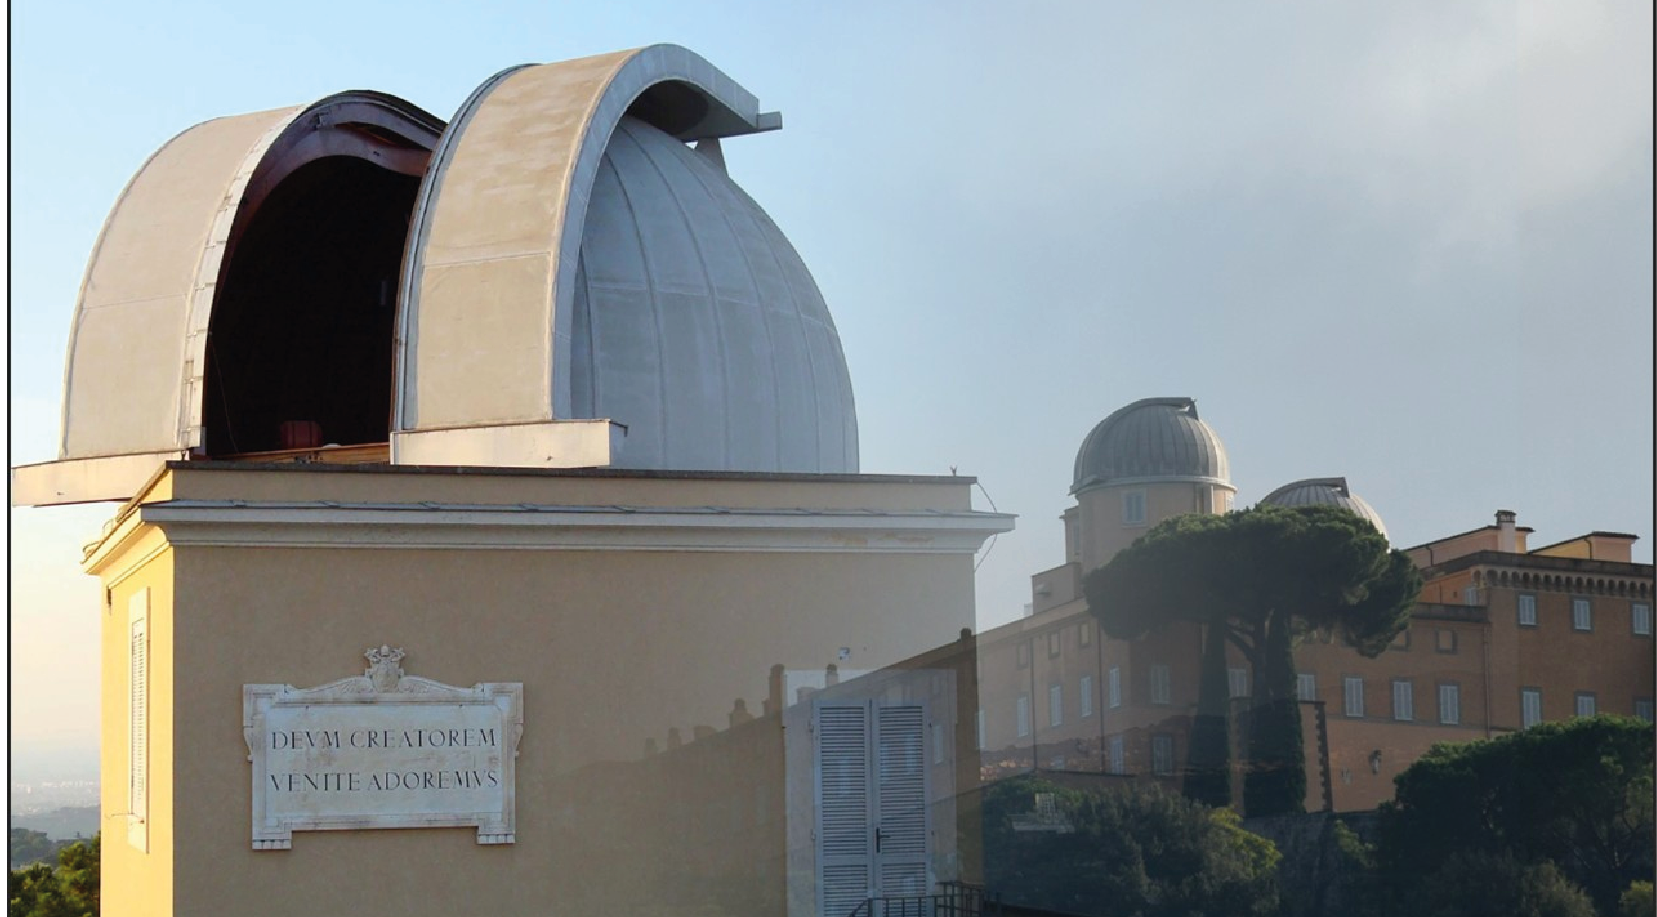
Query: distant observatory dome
{"type": "Point", "coordinates": [1154, 439]}
{"type": "Point", "coordinates": [1324, 492]}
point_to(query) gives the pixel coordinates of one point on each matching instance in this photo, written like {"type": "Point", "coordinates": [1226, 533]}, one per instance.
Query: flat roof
{"type": "Point", "coordinates": [1483, 528]}
{"type": "Point", "coordinates": [614, 473]}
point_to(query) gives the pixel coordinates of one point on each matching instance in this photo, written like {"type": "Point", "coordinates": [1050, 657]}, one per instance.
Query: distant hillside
{"type": "Point", "coordinates": [61, 824]}
{"type": "Point", "coordinates": [25, 848]}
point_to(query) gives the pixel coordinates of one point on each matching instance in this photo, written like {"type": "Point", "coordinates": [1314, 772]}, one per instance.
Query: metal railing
{"type": "Point", "coordinates": [953, 899]}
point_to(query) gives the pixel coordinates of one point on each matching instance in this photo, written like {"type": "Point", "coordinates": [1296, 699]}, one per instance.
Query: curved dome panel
{"type": "Point", "coordinates": [1324, 492]}
{"type": "Point", "coordinates": [133, 380]}
{"type": "Point", "coordinates": [138, 316]}
{"type": "Point", "coordinates": [698, 326]}
{"type": "Point", "coordinates": [1154, 439]}
{"type": "Point", "coordinates": [584, 291]}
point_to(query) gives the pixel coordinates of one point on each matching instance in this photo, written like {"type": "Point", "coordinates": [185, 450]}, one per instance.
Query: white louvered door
{"type": "Point", "coordinates": [845, 840]}
{"type": "Point", "coordinates": [900, 800]}
{"type": "Point", "coordinates": [872, 832]}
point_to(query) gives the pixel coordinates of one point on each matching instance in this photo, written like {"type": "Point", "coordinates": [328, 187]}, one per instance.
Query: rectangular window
{"type": "Point", "coordinates": [1354, 691]}
{"type": "Point", "coordinates": [1402, 641]}
{"type": "Point", "coordinates": [1642, 708]}
{"type": "Point", "coordinates": [1470, 595]}
{"type": "Point", "coordinates": [1117, 764]}
{"type": "Point", "coordinates": [1306, 686]}
{"type": "Point", "coordinates": [1055, 705]}
{"type": "Point", "coordinates": [138, 720]}
{"type": "Point", "coordinates": [1086, 692]}
{"type": "Point", "coordinates": [1530, 707]}
{"type": "Point", "coordinates": [1444, 640]}
{"type": "Point", "coordinates": [1114, 685]}
{"type": "Point", "coordinates": [1053, 644]}
{"type": "Point", "coordinates": [1527, 610]}
{"type": "Point", "coordinates": [1084, 633]}
{"type": "Point", "coordinates": [1162, 684]}
{"type": "Point", "coordinates": [1239, 682]}
{"type": "Point", "coordinates": [1586, 703]}
{"type": "Point", "coordinates": [1162, 755]}
{"type": "Point", "coordinates": [1582, 614]}
{"type": "Point", "coordinates": [1133, 507]}
{"type": "Point", "coordinates": [1642, 618]}
{"type": "Point", "coordinates": [983, 733]}
{"type": "Point", "coordinates": [1403, 700]}
{"type": "Point", "coordinates": [1023, 715]}
{"type": "Point", "coordinates": [1449, 705]}
{"type": "Point", "coordinates": [1024, 654]}
{"type": "Point", "coordinates": [940, 742]}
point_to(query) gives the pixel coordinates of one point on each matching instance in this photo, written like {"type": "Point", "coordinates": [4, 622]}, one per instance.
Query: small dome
{"type": "Point", "coordinates": [1154, 439]}
{"type": "Point", "coordinates": [1324, 492]}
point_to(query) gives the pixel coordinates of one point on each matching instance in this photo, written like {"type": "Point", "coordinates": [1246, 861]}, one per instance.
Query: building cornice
{"type": "Point", "coordinates": [546, 527]}
{"type": "Point", "coordinates": [1108, 483]}
{"type": "Point", "coordinates": [1539, 562]}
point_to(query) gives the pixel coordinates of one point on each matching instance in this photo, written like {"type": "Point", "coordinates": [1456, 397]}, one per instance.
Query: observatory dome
{"type": "Point", "coordinates": [1324, 492]}
{"type": "Point", "coordinates": [697, 325]}
{"type": "Point", "coordinates": [560, 276]}
{"type": "Point", "coordinates": [1154, 439]}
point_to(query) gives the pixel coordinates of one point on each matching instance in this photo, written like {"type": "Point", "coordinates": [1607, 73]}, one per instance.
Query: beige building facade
{"type": "Point", "coordinates": [641, 615]}
{"type": "Point", "coordinates": [1503, 636]}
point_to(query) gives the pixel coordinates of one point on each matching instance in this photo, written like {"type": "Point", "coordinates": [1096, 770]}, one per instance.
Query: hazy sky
{"type": "Point", "coordinates": [1408, 243]}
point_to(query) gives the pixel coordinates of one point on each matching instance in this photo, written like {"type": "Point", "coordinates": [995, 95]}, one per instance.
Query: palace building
{"type": "Point", "coordinates": [1503, 636]}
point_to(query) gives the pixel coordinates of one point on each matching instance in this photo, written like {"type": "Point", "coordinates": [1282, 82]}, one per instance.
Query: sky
{"type": "Point", "coordinates": [1408, 243]}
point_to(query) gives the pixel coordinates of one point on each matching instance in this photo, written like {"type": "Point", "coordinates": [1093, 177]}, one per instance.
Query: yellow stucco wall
{"type": "Point", "coordinates": [143, 876]}
{"type": "Point", "coordinates": [613, 647]}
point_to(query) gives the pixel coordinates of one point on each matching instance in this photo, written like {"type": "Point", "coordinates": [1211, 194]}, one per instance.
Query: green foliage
{"type": "Point", "coordinates": [1637, 901]}
{"type": "Point", "coordinates": [26, 847]}
{"type": "Point", "coordinates": [68, 890]}
{"type": "Point", "coordinates": [1130, 851]}
{"type": "Point", "coordinates": [1262, 576]}
{"type": "Point", "coordinates": [1275, 779]}
{"type": "Point", "coordinates": [1208, 776]}
{"type": "Point", "coordinates": [1358, 891]}
{"type": "Point", "coordinates": [1576, 794]}
{"type": "Point", "coordinates": [1497, 885]}
{"type": "Point", "coordinates": [1352, 847]}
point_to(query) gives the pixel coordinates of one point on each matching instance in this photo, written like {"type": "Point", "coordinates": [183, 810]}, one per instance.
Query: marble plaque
{"type": "Point", "coordinates": [383, 750]}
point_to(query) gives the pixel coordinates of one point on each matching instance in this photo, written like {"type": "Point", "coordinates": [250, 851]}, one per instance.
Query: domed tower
{"type": "Point", "coordinates": [561, 276]}
{"type": "Point", "coordinates": [1324, 492]}
{"type": "Point", "coordinates": [1148, 461]}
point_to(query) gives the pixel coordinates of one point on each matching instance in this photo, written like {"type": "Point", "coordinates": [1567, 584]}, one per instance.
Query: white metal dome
{"type": "Point", "coordinates": [584, 289]}
{"type": "Point", "coordinates": [578, 288]}
{"type": "Point", "coordinates": [1153, 439]}
{"type": "Point", "coordinates": [1324, 492]}
{"type": "Point", "coordinates": [697, 326]}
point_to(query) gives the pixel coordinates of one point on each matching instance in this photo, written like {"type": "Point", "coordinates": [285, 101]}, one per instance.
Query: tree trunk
{"type": "Point", "coordinates": [1208, 778]}
{"type": "Point", "coordinates": [1275, 780]}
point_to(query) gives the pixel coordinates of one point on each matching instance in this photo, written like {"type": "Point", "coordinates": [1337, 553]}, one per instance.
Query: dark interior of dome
{"type": "Point", "coordinates": [670, 106]}
{"type": "Point", "coordinates": [300, 346]}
